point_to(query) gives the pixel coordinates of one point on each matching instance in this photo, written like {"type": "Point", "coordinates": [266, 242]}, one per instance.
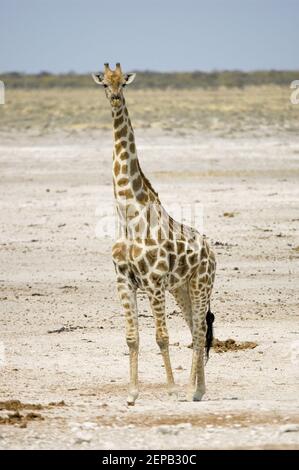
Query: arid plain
{"type": "Point", "coordinates": [232, 153]}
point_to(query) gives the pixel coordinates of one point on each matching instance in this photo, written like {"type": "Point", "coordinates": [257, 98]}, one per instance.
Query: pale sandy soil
{"type": "Point", "coordinates": [55, 273]}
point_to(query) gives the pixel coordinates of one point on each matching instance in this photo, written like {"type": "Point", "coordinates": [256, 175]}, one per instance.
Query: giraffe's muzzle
{"type": "Point", "coordinates": [115, 101]}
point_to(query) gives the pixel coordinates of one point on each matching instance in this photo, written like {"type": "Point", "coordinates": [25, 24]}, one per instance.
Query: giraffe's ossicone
{"type": "Point", "coordinates": [155, 253]}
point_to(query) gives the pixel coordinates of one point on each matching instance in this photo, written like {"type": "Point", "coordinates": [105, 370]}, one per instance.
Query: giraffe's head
{"type": "Point", "coordinates": [113, 81]}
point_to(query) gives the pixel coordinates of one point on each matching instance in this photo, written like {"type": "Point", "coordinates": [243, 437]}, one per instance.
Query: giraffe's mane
{"type": "Point", "coordinates": [147, 182]}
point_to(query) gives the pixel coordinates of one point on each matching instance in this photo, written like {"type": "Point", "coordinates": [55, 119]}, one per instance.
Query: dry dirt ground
{"type": "Point", "coordinates": [63, 350]}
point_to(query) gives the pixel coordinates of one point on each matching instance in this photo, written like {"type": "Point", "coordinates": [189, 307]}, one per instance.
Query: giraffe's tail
{"type": "Point", "coordinates": [209, 335]}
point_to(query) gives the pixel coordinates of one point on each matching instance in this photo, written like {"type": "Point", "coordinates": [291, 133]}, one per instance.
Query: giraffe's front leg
{"type": "Point", "coordinates": [127, 294]}
{"type": "Point", "coordinates": [157, 301]}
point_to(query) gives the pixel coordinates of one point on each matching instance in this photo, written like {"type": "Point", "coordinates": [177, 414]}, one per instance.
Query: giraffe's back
{"type": "Point", "coordinates": [166, 262]}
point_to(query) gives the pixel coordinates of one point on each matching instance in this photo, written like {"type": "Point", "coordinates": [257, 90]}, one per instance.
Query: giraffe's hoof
{"type": "Point", "coordinates": [132, 398]}
{"type": "Point", "coordinates": [197, 396]}
{"type": "Point", "coordinates": [130, 402]}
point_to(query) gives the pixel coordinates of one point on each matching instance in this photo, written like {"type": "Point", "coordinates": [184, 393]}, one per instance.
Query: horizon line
{"type": "Point", "coordinates": [73, 72]}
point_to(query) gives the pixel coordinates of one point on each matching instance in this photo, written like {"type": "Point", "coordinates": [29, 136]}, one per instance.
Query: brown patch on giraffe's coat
{"type": "Point", "coordinates": [116, 168]}
{"type": "Point", "coordinates": [133, 166]}
{"type": "Point", "coordinates": [142, 266]}
{"type": "Point", "coordinates": [119, 252]}
{"type": "Point", "coordinates": [204, 279]}
{"type": "Point", "coordinates": [173, 279]}
{"type": "Point", "coordinates": [131, 137]}
{"type": "Point", "coordinates": [150, 242]}
{"type": "Point", "coordinates": [132, 148]}
{"type": "Point", "coordinates": [162, 266]}
{"type": "Point", "coordinates": [140, 227]}
{"type": "Point", "coordinates": [118, 122]}
{"type": "Point", "coordinates": [123, 269]}
{"type": "Point", "coordinates": [123, 182]}
{"type": "Point", "coordinates": [148, 215]}
{"type": "Point", "coordinates": [171, 261]}
{"type": "Point", "coordinates": [202, 269]}
{"type": "Point", "coordinates": [137, 183]}
{"type": "Point", "coordinates": [141, 197]}
{"type": "Point", "coordinates": [124, 156]}
{"type": "Point", "coordinates": [180, 247]}
{"type": "Point", "coordinates": [135, 251]}
{"type": "Point", "coordinates": [170, 235]}
{"type": "Point", "coordinates": [120, 146]}
{"type": "Point", "coordinates": [144, 282]}
{"type": "Point", "coordinates": [121, 133]}
{"type": "Point", "coordinates": [193, 259]}
{"type": "Point", "coordinates": [151, 256]}
{"type": "Point", "coordinates": [182, 260]}
{"type": "Point", "coordinates": [204, 251]}
{"type": "Point", "coordinates": [127, 193]}
{"type": "Point", "coordinates": [168, 245]}
{"type": "Point", "coordinates": [124, 169]}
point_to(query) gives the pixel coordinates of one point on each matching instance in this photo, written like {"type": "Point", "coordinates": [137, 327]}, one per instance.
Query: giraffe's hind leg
{"type": "Point", "coordinates": [200, 288]}
{"type": "Point", "coordinates": [199, 300]}
{"type": "Point", "coordinates": [210, 316]}
{"type": "Point", "coordinates": [182, 297]}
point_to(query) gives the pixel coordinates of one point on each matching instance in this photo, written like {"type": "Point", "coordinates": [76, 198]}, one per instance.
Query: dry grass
{"type": "Point", "coordinates": [225, 111]}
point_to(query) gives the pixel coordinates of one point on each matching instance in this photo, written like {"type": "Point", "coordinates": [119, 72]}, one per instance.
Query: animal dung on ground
{"type": "Point", "coordinates": [232, 345]}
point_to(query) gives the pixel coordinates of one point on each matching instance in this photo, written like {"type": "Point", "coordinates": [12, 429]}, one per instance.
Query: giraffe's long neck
{"type": "Point", "coordinates": [129, 182]}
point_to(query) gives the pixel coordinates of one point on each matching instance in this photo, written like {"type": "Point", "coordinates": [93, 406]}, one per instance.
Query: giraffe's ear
{"type": "Point", "coordinates": [129, 77]}
{"type": "Point", "coordinates": [98, 78]}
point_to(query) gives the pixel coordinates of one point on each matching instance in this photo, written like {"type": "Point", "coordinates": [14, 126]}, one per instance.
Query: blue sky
{"type": "Point", "coordinates": [165, 35]}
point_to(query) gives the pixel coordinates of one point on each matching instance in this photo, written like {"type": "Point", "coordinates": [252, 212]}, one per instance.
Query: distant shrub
{"type": "Point", "coordinates": [147, 79]}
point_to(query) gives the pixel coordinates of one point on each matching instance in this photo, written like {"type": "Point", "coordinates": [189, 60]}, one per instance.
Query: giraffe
{"type": "Point", "coordinates": [154, 253]}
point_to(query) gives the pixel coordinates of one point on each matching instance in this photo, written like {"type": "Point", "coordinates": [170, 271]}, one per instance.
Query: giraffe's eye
{"type": "Point", "coordinates": [105, 86]}
{"type": "Point", "coordinates": [123, 85]}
